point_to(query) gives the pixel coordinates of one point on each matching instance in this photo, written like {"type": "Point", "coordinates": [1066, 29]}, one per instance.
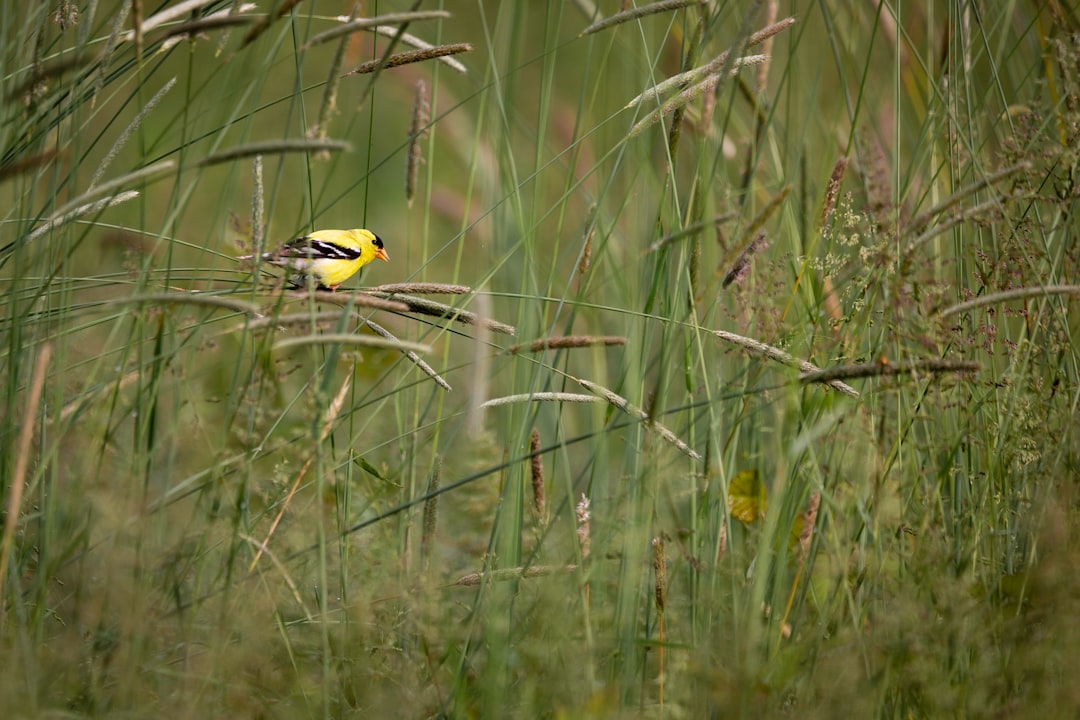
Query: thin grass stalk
{"type": "Point", "coordinates": [887, 369]}
{"type": "Point", "coordinates": [105, 59]}
{"type": "Point", "coordinates": [283, 8]}
{"type": "Point", "coordinates": [284, 571]}
{"type": "Point", "coordinates": [660, 595]}
{"type": "Point", "coordinates": [772, 10]}
{"type": "Point", "coordinates": [395, 38]}
{"type": "Point", "coordinates": [127, 132]}
{"type": "Point", "coordinates": [431, 513]}
{"type": "Point", "coordinates": [329, 418]}
{"type": "Point", "coordinates": [741, 268]}
{"type": "Point", "coordinates": [563, 342]}
{"type": "Point", "coordinates": [60, 220]}
{"type": "Point", "coordinates": [1009, 295]}
{"type": "Point", "coordinates": [354, 25]}
{"type": "Point", "coordinates": [419, 44]}
{"type": "Point", "coordinates": [422, 289]}
{"type": "Point", "coordinates": [276, 147]}
{"type": "Point", "coordinates": [258, 212]}
{"type": "Point", "coordinates": [772, 353]}
{"type": "Point", "coordinates": [714, 66]}
{"type": "Point", "coordinates": [540, 397]}
{"type": "Point", "coordinates": [536, 474]}
{"type": "Point", "coordinates": [967, 214]}
{"type": "Point", "coordinates": [993, 178]}
{"type": "Point", "coordinates": [413, 56]}
{"type": "Point", "coordinates": [432, 308]}
{"type": "Point", "coordinates": [832, 192]}
{"type": "Point", "coordinates": [343, 299]}
{"type": "Point", "coordinates": [508, 574]}
{"type": "Point", "coordinates": [692, 93]}
{"type": "Point", "coordinates": [481, 363]}
{"type": "Point", "coordinates": [418, 129]}
{"type": "Point", "coordinates": [144, 174]}
{"type": "Point", "coordinates": [690, 231]}
{"type": "Point", "coordinates": [413, 357]}
{"type": "Point", "coordinates": [623, 404]}
{"type": "Point", "coordinates": [333, 79]}
{"type": "Point", "coordinates": [351, 340]}
{"type": "Point", "coordinates": [629, 14]}
{"type": "Point", "coordinates": [586, 247]}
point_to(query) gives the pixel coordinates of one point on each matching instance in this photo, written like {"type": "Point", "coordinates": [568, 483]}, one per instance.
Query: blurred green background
{"type": "Point", "coordinates": [219, 499]}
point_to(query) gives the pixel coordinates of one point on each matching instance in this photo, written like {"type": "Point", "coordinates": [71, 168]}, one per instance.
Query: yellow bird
{"type": "Point", "coordinates": [329, 257]}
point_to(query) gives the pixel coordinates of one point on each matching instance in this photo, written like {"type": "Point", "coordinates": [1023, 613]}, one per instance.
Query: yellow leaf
{"type": "Point", "coordinates": [747, 498]}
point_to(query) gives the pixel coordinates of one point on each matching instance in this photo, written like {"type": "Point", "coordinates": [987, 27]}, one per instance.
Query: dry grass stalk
{"type": "Point", "coordinates": [689, 231]}
{"type": "Point", "coordinates": [354, 25]}
{"type": "Point", "coordinates": [809, 522]}
{"type": "Point", "coordinates": [633, 13]}
{"type": "Point", "coordinates": [413, 357]}
{"type": "Point", "coordinates": [421, 118]}
{"type": "Point", "coordinates": [660, 593]}
{"type": "Point", "coordinates": [713, 67]}
{"type": "Point", "coordinates": [660, 570]}
{"type": "Point", "coordinates": [1007, 295]}
{"type": "Point", "coordinates": [940, 228]}
{"type": "Point", "coordinates": [923, 219]}
{"type": "Point", "coordinates": [584, 532]}
{"type": "Point", "coordinates": [137, 27]}
{"type": "Point", "coordinates": [877, 177]}
{"type": "Point", "coordinates": [281, 568]}
{"type": "Point", "coordinates": [183, 298]}
{"type": "Point", "coordinates": [215, 21]}
{"type": "Point", "coordinates": [60, 220]}
{"type": "Point", "coordinates": [82, 205]}
{"type": "Point", "coordinates": [536, 473]}
{"type": "Point", "coordinates": [772, 9]}
{"type": "Point", "coordinates": [693, 92]}
{"type": "Point", "coordinates": [419, 44]}
{"type": "Point", "coordinates": [721, 544]}
{"type": "Point", "coordinates": [352, 341]}
{"type": "Point", "coordinates": [540, 397]}
{"type": "Point", "coordinates": [778, 355]}
{"type": "Point", "coordinates": [431, 512]}
{"type": "Point", "coordinates": [741, 268]}
{"type": "Point", "coordinates": [586, 250]}
{"type": "Point", "coordinates": [623, 404]}
{"type": "Point", "coordinates": [435, 309]}
{"type": "Point", "coordinates": [22, 462]}
{"type": "Point", "coordinates": [122, 139]}
{"type": "Point", "coordinates": [481, 365]}
{"type": "Point", "coordinates": [329, 418]}
{"type": "Point", "coordinates": [474, 579]}
{"type": "Point", "coordinates": [359, 297]}
{"type": "Point", "coordinates": [333, 80]}
{"type": "Point", "coordinates": [412, 56]}
{"type": "Point", "coordinates": [832, 192]}
{"type": "Point", "coordinates": [881, 369]}
{"type": "Point", "coordinates": [271, 147]}
{"type": "Point", "coordinates": [567, 341]}
{"type": "Point", "coordinates": [283, 8]}
{"type": "Point", "coordinates": [423, 289]}
{"type": "Point", "coordinates": [258, 212]}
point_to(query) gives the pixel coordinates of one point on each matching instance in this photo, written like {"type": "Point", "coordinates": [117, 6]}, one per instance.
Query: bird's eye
{"type": "Point", "coordinates": [378, 242]}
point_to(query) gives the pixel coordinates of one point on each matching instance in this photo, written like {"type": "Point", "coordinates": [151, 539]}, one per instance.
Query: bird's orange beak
{"type": "Point", "coordinates": [381, 254]}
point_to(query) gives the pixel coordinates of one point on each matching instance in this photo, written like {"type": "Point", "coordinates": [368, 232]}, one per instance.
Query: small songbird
{"type": "Point", "coordinates": [329, 257]}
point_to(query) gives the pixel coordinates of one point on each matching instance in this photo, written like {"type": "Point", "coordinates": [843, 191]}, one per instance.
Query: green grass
{"type": "Point", "coordinates": [223, 500]}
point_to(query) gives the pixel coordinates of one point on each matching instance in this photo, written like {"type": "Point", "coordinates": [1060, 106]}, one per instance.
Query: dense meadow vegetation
{"type": "Point", "coordinates": [726, 363]}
